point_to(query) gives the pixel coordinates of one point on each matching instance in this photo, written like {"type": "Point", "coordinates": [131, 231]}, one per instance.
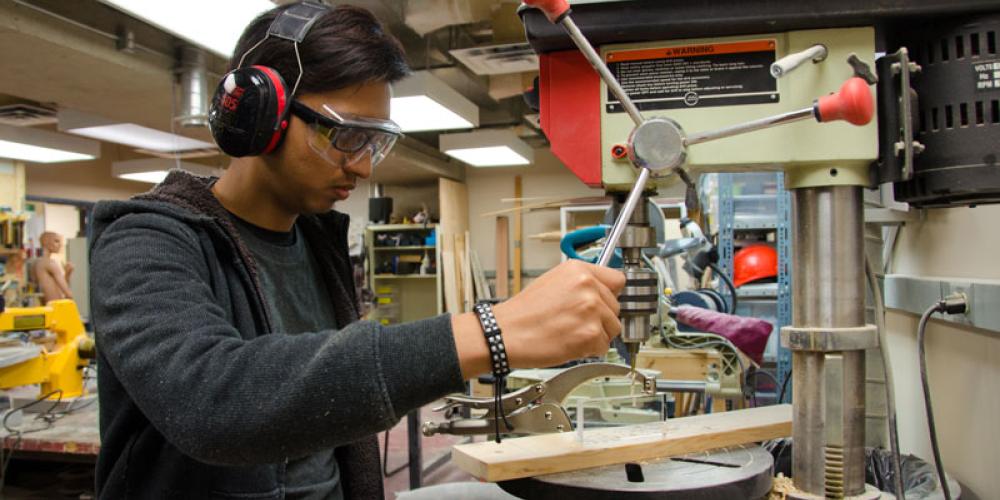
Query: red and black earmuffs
{"type": "Point", "coordinates": [250, 109]}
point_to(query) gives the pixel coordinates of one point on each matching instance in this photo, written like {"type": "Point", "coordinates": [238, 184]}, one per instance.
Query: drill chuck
{"type": "Point", "coordinates": [638, 302]}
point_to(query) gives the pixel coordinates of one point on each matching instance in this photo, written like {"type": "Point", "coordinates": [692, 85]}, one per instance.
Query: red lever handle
{"type": "Point", "coordinates": [853, 103]}
{"type": "Point", "coordinates": [553, 9]}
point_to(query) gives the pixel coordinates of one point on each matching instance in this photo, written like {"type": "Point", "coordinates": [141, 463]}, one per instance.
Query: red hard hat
{"type": "Point", "coordinates": [754, 263]}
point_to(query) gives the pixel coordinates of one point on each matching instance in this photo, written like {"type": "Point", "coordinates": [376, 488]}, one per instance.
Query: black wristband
{"type": "Point", "coordinates": [494, 339]}
{"type": "Point", "coordinates": [498, 362]}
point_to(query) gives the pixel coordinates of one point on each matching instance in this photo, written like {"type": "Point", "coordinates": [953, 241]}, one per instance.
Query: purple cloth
{"type": "Point", "coordinates": [747, 334]}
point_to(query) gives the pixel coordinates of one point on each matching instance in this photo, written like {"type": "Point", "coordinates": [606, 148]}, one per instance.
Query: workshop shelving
{"type": "Point", "coordinates": [756, 206]}
{"type": "Point", "coordinates": [398, 256]}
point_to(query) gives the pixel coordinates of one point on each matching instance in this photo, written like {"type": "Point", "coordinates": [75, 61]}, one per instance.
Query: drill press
{"type": "Point", "coordinates": [703, 83]}
{"type": "Point", "coordinates": [704, 64]}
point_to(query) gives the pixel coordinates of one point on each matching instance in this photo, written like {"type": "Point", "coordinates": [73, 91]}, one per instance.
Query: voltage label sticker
{"type": "Point", "coordinates": [717, 74]}
{"type": "Point", "coordinates": [987, 75]}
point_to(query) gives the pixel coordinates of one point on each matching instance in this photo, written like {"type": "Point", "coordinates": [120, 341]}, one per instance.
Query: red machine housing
{"type": "Point", "coordinates": [570, 102]}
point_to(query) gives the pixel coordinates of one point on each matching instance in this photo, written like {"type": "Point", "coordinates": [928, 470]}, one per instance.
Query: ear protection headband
{"type": "Point", "coordinates": [249, 111]}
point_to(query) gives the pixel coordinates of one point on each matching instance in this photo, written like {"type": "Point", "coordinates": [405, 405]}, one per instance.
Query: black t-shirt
{"type": "Point", "coordinates": [298, 302]}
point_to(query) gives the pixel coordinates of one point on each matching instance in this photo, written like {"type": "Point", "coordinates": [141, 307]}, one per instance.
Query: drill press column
{"type": "Point", "coordinates": [828, 287]}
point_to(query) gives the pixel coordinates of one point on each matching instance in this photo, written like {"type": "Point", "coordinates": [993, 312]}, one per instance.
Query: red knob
{"type": "Point", "coordinates": [853, 103]}
{"type": "Point", "coordinates": [553, 9]}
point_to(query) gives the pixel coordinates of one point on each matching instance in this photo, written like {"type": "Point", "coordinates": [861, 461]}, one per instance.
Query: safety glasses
{"type": "Point", "coordinates": [353, 136]}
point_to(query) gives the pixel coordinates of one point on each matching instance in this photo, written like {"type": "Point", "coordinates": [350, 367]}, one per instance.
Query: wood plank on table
{"type": "Point", "coordinates": [561, 452]}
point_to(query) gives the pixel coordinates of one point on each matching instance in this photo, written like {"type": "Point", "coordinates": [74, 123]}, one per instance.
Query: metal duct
{"type": "Point", "coordinates": [193, 75]}
{"type": "Point", "coordinates": [427, 16]}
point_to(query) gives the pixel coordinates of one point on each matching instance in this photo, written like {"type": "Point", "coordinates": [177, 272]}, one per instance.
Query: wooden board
{"type": "Point", "coordinates": [459, 245]}
{"type": "Point", "coordinates": [679, 364]}
{"type": "Point", "coordinates": [452, 301]}
{"type": "Point", "coordinates": [544, 205]}
{"type": "Point", "coordinates": [550, 453]}
{"type": "Point", "coordinates": [503, 258]}
{"type": "Point", "coordinates": [468, 287]}
{"type": "Point", "coordinates": [454, 206]}
{"type": "Point", "coordinates": [516, 286]}
{"type": "Point", "coordinates": [479, 278]}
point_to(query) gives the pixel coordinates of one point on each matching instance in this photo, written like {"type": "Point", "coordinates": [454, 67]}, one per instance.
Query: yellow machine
{"type": "Point", "coordinates": [55, 361]}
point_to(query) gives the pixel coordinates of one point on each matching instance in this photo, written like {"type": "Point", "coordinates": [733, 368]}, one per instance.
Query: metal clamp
{"type": "Point", "coordinates": [535, 409]}
{"type": "Point", "coordinates": [830, 339]}
{"type": "Point", "coordinates": [897, 103]}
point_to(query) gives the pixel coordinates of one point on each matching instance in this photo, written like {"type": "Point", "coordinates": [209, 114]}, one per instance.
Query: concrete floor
{"type": "Point", "coordinates": [433, 447]}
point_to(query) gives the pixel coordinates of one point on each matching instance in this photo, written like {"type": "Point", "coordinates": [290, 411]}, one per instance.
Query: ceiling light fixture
{"type": "Point", "coordinates": [215, 25]}
{"type": "Point", "coordinates": [488, 148]}
{"type": "Point", "coordinates": [130, 134]}
{"type": "Point", "coordinates": [422, 102]}
{"type": "Point", "coordinates": [42, 146]}
{"type": "Point", "coordinates": [154, 170]}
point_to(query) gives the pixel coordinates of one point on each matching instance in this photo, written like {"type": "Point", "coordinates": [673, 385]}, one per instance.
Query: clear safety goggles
{"type": "Point", "coordinates": [352, 136]}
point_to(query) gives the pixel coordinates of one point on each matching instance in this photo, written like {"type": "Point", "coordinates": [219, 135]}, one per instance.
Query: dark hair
{"type": "Point", "coordinates": [347, 46]}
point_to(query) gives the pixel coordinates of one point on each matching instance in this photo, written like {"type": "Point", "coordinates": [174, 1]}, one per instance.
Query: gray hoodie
{"type": "Point", "coordinates": [197, 398]}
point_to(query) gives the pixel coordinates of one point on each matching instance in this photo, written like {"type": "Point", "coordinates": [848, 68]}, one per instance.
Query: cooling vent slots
{"type": "Point", "coordinates": [943, 118]}
{"type": "Point", "coordinates": [959, 47]}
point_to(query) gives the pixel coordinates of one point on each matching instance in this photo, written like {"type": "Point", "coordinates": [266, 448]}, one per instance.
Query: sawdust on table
{"type": "Point", "coordinates": [781, 487]}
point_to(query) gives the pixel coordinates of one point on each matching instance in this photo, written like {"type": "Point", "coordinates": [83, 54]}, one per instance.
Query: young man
{"type": "Point", "coordinates": [51, 275]}
{"type": "Point", "coordinates": [232, 364]}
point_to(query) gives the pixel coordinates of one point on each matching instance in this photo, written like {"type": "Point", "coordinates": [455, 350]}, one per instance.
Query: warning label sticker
{"type": "Point", "coordinates": [987, 75]}
{"type": "Point", "coordinates": [718, 74]}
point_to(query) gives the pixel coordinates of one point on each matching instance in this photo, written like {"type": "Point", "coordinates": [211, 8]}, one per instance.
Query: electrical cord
{"type": "Point", "coordinates": [784, 385]}
{"type": "Point", "coordinates": [751, 378]}
{"type": "Point", "coordinates": [729, 283]}
{"type": "Point", "coordinates": [890, 384]}
{"type": "Point", "coordinates": [921, 330]}
{"type": "Point", "coordinates": [499, 385]}
{"type": "Point", "coordinates": [48, 416]}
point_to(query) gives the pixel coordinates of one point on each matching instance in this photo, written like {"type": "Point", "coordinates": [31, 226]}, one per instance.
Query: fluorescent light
{"type": "Point", "coordinates": [496, 156]}
{"type": "Point", "coordinates": [42, 146]}
{"type": "Point", "coordinates": [154, 170]}
{"type": "Point", "coordinates": [38, 154]}
{"type": "Point", "coordinates": [130, 134]}
{"type": "Point", "coordinates": [154, 177]}
{"type": "Point", "coordinates": [141, 137]}
{"type": "Point", "coordinates": [422, 102]}
{"type": "Point", "coordinates": [488, 148]}
{"type": "Point", "coordinates": [421, 113]}
{"type": "Point", "coordinates": [213, 24]}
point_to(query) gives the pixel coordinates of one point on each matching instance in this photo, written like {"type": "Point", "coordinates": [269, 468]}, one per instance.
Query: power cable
{"type": "Point", "coordinates": [784, 385]}
{"type": "Point", "coordinates": [931, 428]}
{"type": "Point", "coordinates": [729, 284]}
{"type": "Point", "coordinates": [890, 384]}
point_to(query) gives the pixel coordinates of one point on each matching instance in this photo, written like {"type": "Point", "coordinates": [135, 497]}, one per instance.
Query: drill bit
{"type": "Point", "coordinates": [633, 353]}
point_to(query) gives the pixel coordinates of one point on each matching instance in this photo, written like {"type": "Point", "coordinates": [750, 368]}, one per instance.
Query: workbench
{"type": "Point", "coordinates": [72, 438]}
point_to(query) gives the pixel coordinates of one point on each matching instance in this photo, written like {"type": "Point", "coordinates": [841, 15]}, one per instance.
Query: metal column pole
{"type": "Point", "coordinates": [416, 453]}
{"type": "Point", "coordinates": [828, 286]}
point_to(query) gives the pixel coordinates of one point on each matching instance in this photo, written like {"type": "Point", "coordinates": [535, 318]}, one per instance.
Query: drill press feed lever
{"type": "Point", "coordinates": [535, 409]}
